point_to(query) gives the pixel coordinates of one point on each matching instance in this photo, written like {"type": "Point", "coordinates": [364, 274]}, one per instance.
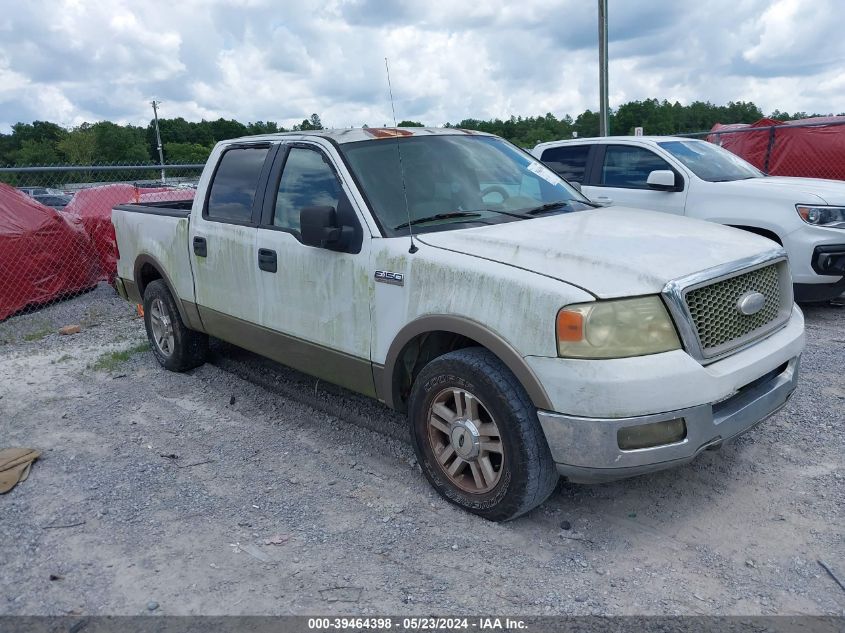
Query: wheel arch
{"type": "Point", "coordinates": [758, 230]}
{"type": "Point", "coordinates": [147, 269]}
{"type": "Point", "coordinates": [431, 336]}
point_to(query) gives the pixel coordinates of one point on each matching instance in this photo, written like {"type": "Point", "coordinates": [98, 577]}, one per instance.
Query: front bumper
{"type": "Point", "coordinates": [586, 449]}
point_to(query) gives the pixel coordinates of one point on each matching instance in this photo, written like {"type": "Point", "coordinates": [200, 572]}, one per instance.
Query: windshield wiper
{"type": "Point", "coordinates": [551, 206]}
{"type": "Point", "coordinates": [438, 216]}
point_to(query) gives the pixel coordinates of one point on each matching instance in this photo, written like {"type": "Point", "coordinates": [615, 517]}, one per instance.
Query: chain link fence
{"type": "Point", "coordinates": [56, 235]}
{"type": "Point", "coordinates": [812, 148]}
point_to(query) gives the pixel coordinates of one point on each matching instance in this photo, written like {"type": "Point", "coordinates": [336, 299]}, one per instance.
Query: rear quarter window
{"type": "Point", "coordinates": [232, 192]}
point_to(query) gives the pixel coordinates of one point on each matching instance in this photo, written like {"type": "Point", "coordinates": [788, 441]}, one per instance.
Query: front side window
{"type": "Point", "coordinates": [570, 161]}
{"type": "Point", "coordinates": [233, 189]}
{"type": "Point", "coordinates": [454, 181]}
{"type": "Point", "coordinates": [307, 181]}
{"type": "Point", "coordinates": [628, 166]}
{"type": "Point", "coordinates": [711, 162]}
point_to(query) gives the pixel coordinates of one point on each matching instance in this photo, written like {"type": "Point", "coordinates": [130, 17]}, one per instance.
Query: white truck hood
{"type": "Point", "coordinates": [611, 252]}
{"type": "Point", "coordinates": [793, 190]}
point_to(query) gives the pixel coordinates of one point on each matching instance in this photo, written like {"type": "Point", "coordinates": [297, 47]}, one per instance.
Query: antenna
{"type": "Point", "coordinates": [413, 248]}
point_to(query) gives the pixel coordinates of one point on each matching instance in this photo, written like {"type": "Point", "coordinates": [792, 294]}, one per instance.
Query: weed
{"type": "Point", "coordinates": [111, 360]}
{"type": "Point", "coordinates": [37, 335]}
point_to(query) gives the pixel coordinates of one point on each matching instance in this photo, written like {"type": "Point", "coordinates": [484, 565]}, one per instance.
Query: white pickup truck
{"type": "Point", "coordinates": [701, 180]}
{"type": "Point", "coordinates": [452, 276]}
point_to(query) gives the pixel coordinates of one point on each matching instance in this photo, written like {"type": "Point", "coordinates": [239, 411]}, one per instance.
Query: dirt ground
{"type": "Point", "coordinates": [245, 488]}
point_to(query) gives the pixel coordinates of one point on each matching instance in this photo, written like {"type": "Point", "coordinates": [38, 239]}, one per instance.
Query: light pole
{"type": "Point", "coordinates": [155, 105]}
{"type": "Point", "coordinates": [603, 107]}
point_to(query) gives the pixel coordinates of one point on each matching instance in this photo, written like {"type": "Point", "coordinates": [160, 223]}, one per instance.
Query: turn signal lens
{"type": "Point", "coordinates": [570, 325]}
{"type": "Point", "coordinates": [615, 329]}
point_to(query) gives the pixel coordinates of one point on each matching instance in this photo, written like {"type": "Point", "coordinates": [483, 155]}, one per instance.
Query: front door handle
{"type": "Point", "coordinates": [604, 201]}
{"type": "Point", "coordinates": [267, 260]}
{"type": "Point", "coordinates": [200, 247]}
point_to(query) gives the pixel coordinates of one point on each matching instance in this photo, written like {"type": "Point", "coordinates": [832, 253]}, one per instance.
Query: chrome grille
{"type": "Point", "coordinates": [718, 321]}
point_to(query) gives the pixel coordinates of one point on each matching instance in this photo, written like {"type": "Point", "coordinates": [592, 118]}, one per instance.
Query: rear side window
{"type": "Point", "coordinates": [307, 181]}
{"type": "Point", "coordinates": [233, 188]}
{"type": "Point", "coordinates": [628, 166]}
{"type": "Point", "coordinates": [569, 161]}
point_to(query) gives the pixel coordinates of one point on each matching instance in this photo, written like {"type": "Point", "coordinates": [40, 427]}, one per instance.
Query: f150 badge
{"type": "Point", "coordinates": [387, 277]}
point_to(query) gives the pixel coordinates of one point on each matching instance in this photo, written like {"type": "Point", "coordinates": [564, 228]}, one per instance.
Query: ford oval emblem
{"type": "Point", "coordinates": [751, 303]}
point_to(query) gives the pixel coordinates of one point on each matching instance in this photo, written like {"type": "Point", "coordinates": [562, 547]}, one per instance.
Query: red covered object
{"type": "Point", "coordinates": [43, 253]}
{"type": "Point", "coordinates": [94, 205]}
{"type": "Point", "coordinates": [792, 148]}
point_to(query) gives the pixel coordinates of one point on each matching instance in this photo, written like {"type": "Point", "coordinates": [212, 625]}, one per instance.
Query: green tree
{"type": "Point", "coordinates": [262, 127]}
{"type": "Point", "coordinates": [311, 123]}
{"type": "Point", "coordinates": [120, 144]}
{"type": "Point", "coordinates": [36, 153]}
{"type": "Point", "coordinates": [185, 153]}
{"type": "Point", "coordinates": [79, 147]}
{"type": "Point", "coordinates": [407, 123]}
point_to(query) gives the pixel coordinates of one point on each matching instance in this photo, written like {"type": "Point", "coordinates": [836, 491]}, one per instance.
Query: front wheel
{"type": "Point", "coordinates": [176, 347]}
{"type": "Point", "coordinates": [477, 436]}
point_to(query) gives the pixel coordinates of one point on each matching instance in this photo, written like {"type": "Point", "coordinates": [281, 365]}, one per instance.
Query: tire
{"type": "Point", "coordinates": [176, 347]}
{"type": "Point", "coordinates": [511, 476]}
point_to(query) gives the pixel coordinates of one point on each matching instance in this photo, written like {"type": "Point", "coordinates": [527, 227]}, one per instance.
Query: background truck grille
{"type": "Point", "coordinates": [717, 319]}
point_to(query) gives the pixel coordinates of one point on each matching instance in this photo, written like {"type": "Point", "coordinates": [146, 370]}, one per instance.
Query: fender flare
{"type": "Point", "coordinates": [191, 319]}
{"type": "Point", "coordinates": [470, 329]}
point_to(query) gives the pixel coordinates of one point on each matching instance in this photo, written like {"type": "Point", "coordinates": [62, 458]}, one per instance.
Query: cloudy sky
{"type": "Point", "coordinates": [71, 61]}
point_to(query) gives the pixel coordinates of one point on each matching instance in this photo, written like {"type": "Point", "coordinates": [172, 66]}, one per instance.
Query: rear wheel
{"type": "Point", "coordinates": [176, 347]}
{"type": "Point", "coordinates": [477, 436]}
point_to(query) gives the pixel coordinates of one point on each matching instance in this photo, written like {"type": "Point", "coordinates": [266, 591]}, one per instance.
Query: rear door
{"type": "Point", "coordinates": [222, 240]}
{"type": "Point", "coordinates": [619, 177]}
{"type": "Point", "coordinates": [570, 161]}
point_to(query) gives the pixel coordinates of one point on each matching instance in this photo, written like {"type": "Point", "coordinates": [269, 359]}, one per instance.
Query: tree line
{"type": "Point", "coordinates": [46, 143]}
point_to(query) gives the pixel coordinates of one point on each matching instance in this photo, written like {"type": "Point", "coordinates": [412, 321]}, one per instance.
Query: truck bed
{"type": "Point", "coordinates": [156, 233]}
{"type": "Point", "coordinates": [170, 208]}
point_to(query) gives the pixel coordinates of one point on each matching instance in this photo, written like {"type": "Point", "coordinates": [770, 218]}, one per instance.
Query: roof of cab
{"type": "Point", "coordinates": [352, 135]}
{"type": "Point", "coordinates": [614, 139]}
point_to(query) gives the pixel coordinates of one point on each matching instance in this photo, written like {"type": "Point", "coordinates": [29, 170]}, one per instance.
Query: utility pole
{"type": "Point", "coordinates": [603, 106]}
{"type": "Point", "coordinates": [155, 105]}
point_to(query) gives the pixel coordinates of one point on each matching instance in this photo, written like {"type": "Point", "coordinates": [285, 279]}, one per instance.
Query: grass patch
{"type": "Point", "coordinates": [38, 334]}
{"type": "Point", "coordinates": [111, 360]}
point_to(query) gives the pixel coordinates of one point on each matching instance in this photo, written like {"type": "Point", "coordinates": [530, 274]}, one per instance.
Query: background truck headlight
{"type": "Point", "coordinates": [819, 215]}
{"type": "Point", "coordinates": [615, 329]}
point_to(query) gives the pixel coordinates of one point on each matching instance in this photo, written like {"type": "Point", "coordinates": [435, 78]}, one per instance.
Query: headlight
{"type": "Point", "coordinates": [615, 329]}
{"type": "Point", "coordinates": [822, 215]}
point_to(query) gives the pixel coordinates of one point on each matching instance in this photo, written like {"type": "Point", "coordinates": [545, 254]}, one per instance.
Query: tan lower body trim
{"type": "Point", "coordinates": [341, 369]}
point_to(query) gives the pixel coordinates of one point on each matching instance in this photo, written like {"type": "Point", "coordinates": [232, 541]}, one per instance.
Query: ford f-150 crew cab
{"type": "Point", "coordinates": [701, 180]}
{"type": "Point", "coordinates": [451, 275]}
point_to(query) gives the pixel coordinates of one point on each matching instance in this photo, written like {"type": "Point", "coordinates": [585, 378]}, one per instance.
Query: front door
{"type": "Point", "coordinates": [316, 301]}
{"type": "Point", "coordinates": [621, 180]}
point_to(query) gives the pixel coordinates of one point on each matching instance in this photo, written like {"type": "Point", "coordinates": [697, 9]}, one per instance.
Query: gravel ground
{"type": "Point", "coordinates": [244, 488]}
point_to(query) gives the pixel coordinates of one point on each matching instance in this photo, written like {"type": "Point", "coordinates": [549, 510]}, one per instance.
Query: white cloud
{"type": "Point", "coordinates": [71, 61]}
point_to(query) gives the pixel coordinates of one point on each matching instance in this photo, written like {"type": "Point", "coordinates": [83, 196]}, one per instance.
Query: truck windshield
{"type": "Point", "coordinates": [710, 162]}
{"type": "Point", "coordinates": [455, 181]}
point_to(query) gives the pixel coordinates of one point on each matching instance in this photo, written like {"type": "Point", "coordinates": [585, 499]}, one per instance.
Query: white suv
{"type": "Point", "coordinates": [701, 180]}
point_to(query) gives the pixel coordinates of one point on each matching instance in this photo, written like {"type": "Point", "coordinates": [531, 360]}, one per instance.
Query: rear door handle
{"type": "Point", "coordinates": [267, 260]}
{"type": "Point", "coordinates": [200, 247]}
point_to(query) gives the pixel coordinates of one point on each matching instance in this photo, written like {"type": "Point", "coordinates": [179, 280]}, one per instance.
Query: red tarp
{"type": "Point", "coordinates": [43, 253]}
{"type": "Point", "coordinates": [814, 151]}
{"type": "Point", "coordinates": [94, 207]}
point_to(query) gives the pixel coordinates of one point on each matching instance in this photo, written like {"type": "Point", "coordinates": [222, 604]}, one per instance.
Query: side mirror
{"type": "Point", "coordinates": [662, 180]}
{"type": "Point", "coordinates": [319, 228]}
